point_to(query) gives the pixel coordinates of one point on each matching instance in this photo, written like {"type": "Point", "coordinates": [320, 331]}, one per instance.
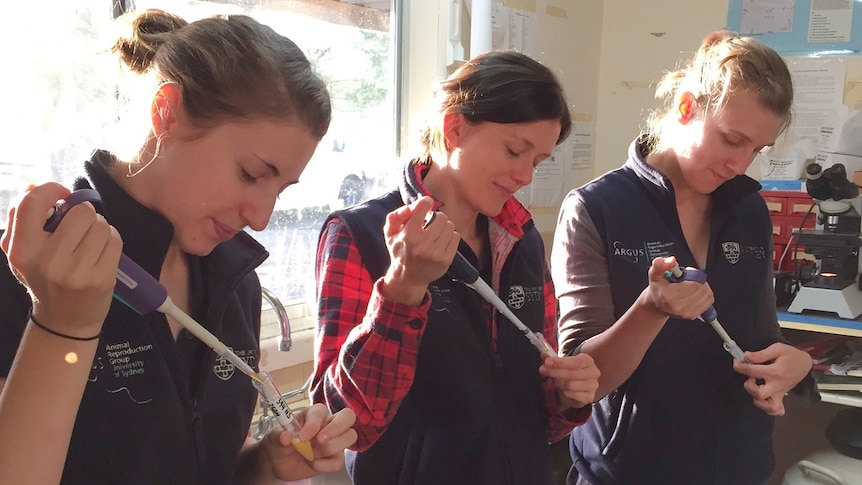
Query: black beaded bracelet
{"type": "Point", "coordinates": [63, 335]}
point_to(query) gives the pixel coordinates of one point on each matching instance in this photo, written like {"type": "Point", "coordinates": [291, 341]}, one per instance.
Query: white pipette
{"type": "Point", "coordinates": [141, 292]}
{"type": "Point", "coordinates": [462, 270]}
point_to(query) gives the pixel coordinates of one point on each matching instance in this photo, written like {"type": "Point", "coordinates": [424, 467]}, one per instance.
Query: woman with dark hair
{"type": "Point", "coordinates": [446, 390]}
{"type": "Point", "coordinates": [230, 113]}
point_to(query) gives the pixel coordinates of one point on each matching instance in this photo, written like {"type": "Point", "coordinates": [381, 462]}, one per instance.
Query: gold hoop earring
{"type": "Point", "coordinates": [152, 159]}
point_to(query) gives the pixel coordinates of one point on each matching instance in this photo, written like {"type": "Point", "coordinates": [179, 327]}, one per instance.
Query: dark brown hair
{"type": "Point", "coordinates": [227, 67]}
{"type": "Point", "coordinates": [501, 87]}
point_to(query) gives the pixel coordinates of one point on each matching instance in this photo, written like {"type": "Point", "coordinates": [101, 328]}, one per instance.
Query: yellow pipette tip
{"type": "Point", "coordinates": [304, 449]}
{"type": "Point", "coordinates": [255, 377]}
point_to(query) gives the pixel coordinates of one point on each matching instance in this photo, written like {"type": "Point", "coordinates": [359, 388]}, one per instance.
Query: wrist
{"type": "Point", "coordinates": [647, 306]}
{"type": "Point", "coordinates": [54, 327]}
{"type": "Point", "coordinates": [398, 290]}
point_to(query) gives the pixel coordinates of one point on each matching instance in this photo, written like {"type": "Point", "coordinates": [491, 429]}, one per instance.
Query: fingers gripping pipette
{"type": "Point", "coordinates": [141, 292]}
{"type": "Point", "coordinates": [710, 316]}
{"type": "Point", "coordinates": [462, 270]}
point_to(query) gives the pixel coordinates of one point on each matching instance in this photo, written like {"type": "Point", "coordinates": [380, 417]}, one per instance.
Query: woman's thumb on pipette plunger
{"type": "Point", "coordinates": [660, 266]}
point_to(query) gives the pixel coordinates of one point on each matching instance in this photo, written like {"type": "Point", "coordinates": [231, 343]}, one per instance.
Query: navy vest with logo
{"type": "Point", "coordinates": [475, 414]}
{"type": "Point", "coordinates": [683, 417]}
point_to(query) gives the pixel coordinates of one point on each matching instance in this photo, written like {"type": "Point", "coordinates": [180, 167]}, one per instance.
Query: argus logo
{"type": "Point", "coordinates": [631, 254]}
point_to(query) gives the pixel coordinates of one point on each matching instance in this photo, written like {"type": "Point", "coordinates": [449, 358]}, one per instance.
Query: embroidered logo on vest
{"type": "Point", "coordinates": [120, 366]}
{"type": "Point", "coordinates": [631, 254]}
{"type": "Point", "coordinates": [519, 295]}
{"type": "Point", "coordinates": [224, 369]}
{"type": "Point", "coordinates": [731, 252]}
{"type": "Point", "coordinates": [735, 252]}
{"type": "Point", "coordinates": [516, 297]}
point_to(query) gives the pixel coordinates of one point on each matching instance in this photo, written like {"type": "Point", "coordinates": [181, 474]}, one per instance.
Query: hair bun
{"type": "Point", "coordinates": [145, 32]}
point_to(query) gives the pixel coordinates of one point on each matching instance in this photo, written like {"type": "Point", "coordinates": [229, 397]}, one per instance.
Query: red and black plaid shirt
{"type": "Point", "coordinates": [366, 346]}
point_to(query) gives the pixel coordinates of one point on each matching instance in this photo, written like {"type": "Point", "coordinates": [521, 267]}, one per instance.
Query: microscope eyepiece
{"type": "Point", "coordinates": [813, 171]}
{"type": "Point", "coordinates": [817, 182]}
{"type": "Point", "coordinates": [830, 183]}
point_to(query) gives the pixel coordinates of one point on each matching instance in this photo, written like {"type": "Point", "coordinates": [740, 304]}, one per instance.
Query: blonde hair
{"type": "Point", "coordinates": [726, 63]}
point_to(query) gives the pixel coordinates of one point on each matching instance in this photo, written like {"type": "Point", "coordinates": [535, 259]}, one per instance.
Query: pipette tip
{"type": "Point", "coordinates": [304, 448]}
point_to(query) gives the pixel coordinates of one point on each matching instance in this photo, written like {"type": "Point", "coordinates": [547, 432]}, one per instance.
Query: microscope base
{"type": "Point", "coordinates": [847, 303]}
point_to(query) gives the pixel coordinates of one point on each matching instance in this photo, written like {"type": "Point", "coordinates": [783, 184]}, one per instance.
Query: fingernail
{"type": "Point", "coordinates": [30, 187]}
{"type": "Point", "coordinates": [668, 260]}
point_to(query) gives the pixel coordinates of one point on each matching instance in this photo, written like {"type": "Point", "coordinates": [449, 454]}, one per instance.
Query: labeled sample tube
{"type": "Point", "coordinates": [272, 398]}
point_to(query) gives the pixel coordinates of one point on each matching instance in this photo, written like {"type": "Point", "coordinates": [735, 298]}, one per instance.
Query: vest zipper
{"type": "Point", "coordinates": [198, 433]}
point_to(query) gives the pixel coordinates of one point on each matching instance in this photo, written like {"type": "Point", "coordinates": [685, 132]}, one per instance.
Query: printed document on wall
{"type": "Point", "coordinates": [570, 164]}
{"type": "Point", "coordinates": [830, 21]}
{"type": "Point", "coordinates": [513, 28]}
{"type": "Point", "coordinates": [766, 16]}
{"type": "Point", "coordinates": [818, 85]}
{"type": "Point", "coordinates": [583, 146]}
{"type": "Point", "coordinates": [546, 190]}
{"type": "Point", "coordinates": [800, 27]}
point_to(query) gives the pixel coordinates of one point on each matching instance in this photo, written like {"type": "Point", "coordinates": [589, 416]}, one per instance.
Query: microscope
{"type": "Point", "coordinates": [834, 243]}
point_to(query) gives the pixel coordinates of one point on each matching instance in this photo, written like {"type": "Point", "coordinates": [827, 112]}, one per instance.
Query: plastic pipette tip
{"type": "Point", "coordinates": [304, 448]}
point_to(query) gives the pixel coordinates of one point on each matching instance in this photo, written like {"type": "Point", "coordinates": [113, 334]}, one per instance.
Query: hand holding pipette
{"type": "Point", "coordinates": [286, 419]}
{"type": "Point", "coordinates": [576, 377]}
{"type": "Point", "coordinates": [710, 316]}
{"type": "Point", "coordinates": [140, 291]}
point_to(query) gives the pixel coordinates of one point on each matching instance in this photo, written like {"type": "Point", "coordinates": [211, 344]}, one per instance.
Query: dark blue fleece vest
{"type": "Point", "coordinates": [683, 417]}
{"type": "Point", "coordinates": [474, 415]}
{"type": "Point", "coordinates": [158, 410]}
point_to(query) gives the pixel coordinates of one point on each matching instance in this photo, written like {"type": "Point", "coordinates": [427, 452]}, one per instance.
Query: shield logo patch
{"type": "Point", "coordinates": [223, 368]}
{"type": "Point", "coordinates": [516, 296]}
{"type": "Point", "coordinates": [731, 252]}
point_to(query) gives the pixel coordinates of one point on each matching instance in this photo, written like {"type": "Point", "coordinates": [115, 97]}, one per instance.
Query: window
{"type": "Point", "coordinates": [62, 107]}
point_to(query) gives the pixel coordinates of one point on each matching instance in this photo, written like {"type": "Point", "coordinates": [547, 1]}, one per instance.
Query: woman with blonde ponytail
{"type": "Point", "coordinates": [675, 407]}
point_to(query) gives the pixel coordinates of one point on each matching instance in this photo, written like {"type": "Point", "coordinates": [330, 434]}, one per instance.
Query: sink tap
{"type": "Point", "coordinates": [283, 320]}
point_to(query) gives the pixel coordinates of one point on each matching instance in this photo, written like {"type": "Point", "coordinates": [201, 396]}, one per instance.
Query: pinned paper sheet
{"type": "Point", "coordinates": [840, 140]}
{"type": "Point", "coordinates": [841, 132]}
{"type": "Point", "coordinates": [786, 162]}
{"type": "Point", "coordinates": [515, 28]}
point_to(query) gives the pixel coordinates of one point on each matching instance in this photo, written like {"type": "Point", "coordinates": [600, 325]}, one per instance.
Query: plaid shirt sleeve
{"type": "Point", "coordinates": [560, 423]}
{"type": "Point", "coordinates": [365, 346]}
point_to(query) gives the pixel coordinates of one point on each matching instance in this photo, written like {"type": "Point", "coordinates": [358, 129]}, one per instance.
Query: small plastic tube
{"type": "Point", "coordinates": [287, 420]}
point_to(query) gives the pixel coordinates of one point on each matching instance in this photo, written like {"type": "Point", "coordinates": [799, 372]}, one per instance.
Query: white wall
{"type": "Point", "coordinates": [567, 42]}
{"type": "Point", "coordinates": [640, 42]}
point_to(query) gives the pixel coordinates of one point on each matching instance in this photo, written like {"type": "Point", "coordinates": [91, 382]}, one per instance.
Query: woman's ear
{"type": "Point", "coordinates": [686, 105]}
{"type": "Point", "coordinates": [453, 124]}
{"type": "Point", "coordinates": [166, 108]}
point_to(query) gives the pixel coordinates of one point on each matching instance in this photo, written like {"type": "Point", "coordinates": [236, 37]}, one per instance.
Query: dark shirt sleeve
{"type": "Point", "coordinates": [14, 314]}
{"type": "Point", "coordinates": [366, 346]}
